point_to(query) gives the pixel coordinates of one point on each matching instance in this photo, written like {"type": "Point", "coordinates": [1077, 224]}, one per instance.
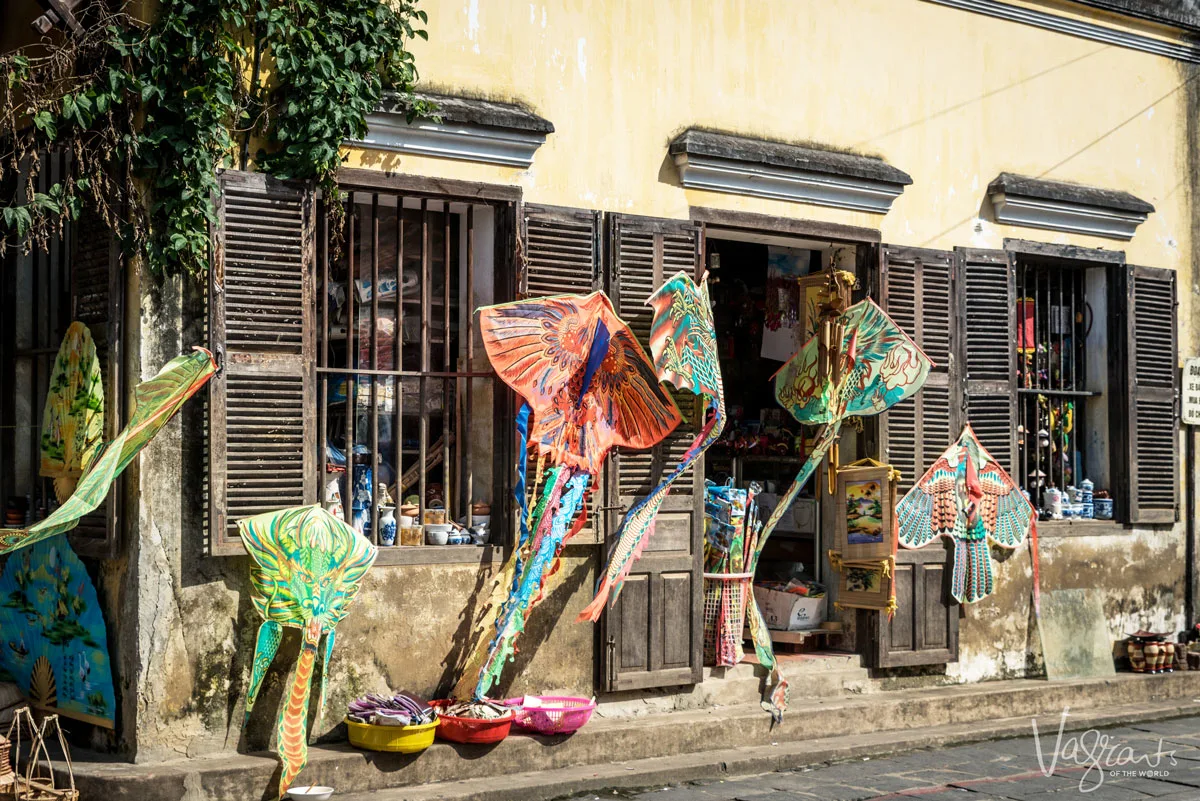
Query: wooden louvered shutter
{"type": "Point", "coordinates": [562, 256]}
{"type": "Point", "coordinates": [262, 405]}
{"type": "Point", "coordinates": [652, 636]}
{"type": "Point", "coordinates": [97, 290]}
{"type": "Point", "coordinates": [918, 294]}
{"type": "Point", "coordinates": [1151, 395]}
{"type": "Point", "coordinates": [986, 296]}
{"type": "Point", "coordinates": [562, 251]}
{"type": "Point", "coordinates": [918, 291]}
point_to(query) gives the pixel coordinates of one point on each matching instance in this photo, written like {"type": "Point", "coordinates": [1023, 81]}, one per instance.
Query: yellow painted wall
{"type": "Point", "coordinates": [949, 96]}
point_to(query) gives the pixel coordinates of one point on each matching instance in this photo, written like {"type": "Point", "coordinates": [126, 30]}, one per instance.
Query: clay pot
{"type": "Point", "coordinates": [1153, 651]}
{"type": "Point", "coordinates": [1168, 657]}
{"type": "Point", "coordinates": [1137, 658]}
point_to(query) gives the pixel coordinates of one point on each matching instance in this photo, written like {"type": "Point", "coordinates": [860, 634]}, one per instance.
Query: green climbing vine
{"type": "Point", "coordinates": [149, 110]}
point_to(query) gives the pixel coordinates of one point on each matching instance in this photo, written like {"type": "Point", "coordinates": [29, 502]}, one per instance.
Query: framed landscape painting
{"type": "Point", "coordinates": [865, 585]}
{"type": "Point", "coordinates": [863, 522]}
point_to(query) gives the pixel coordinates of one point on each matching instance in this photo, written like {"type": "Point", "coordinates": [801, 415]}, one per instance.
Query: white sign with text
{"type": "Point", "coordinates": [1191, 392]}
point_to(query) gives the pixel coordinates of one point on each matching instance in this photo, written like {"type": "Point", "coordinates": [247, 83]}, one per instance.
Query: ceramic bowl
{"type": "Point", "coordinates": [437, 533]}
{"type": "Point", "coordinates": [311, 793]}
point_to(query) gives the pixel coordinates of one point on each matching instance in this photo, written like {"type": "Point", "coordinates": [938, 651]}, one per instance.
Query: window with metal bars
{"type": "Point", "coordinates": [406, 402]}
{"type": "Point", "coordinates": [1062, 399]}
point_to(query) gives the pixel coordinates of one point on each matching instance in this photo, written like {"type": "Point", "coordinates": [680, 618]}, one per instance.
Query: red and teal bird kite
{"type": "Point", "coordinates": [967, 496]}
{"type": "Point", "coordinates": [684, 343]}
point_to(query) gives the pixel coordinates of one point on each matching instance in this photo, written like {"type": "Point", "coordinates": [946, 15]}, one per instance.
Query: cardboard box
{"type": "Point", "coordinates": [786, 611]}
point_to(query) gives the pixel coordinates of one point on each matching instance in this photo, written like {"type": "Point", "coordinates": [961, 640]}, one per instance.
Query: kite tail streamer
{"type": "Point", "coordinates": [293, 718]}
{"type": "Point", "coordinates": [820, 448]}
{"type": "Point", "coordinates": [1037, 589]}
{"type": "Point", "coordinates": [638, 525]}
{"type": "Point", "coordinates": [156, 400]}
{"type": "Point", "coordinates": [563, 502]}
{"type": "Point", "coordinates": [776, 700]}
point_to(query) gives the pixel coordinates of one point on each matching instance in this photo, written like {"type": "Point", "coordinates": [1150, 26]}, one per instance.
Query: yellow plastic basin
{"type": "Point", "coordinates": [397, 739]}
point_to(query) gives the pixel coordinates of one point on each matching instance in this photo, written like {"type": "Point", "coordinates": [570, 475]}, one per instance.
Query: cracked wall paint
{"type": "Point", "coordinates": [1138, 572]}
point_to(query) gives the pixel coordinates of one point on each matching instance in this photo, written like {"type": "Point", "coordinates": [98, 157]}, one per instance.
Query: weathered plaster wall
{"type": "Point", "coordinates": [1140, 576]}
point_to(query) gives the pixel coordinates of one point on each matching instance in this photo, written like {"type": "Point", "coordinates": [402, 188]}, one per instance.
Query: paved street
{"type": "Point", "coordinates": [1005, 770]}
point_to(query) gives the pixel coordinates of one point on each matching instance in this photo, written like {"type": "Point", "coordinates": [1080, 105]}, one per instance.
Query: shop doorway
{"type": "Point", "coordinates": [764, 312]}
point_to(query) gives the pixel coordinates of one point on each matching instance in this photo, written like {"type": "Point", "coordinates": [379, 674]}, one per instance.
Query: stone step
{"type": "Point", "coordinates": [743, 684]}
{"type": "Point", "coordinates": [883, 716]}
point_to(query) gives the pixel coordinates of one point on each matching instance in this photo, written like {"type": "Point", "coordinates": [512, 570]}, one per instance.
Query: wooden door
{"type": "Point", "coordinates": [924, 630]}
{"type": "Point", "coordinates": [918, 288]}
{"type": "Point", "coordinates": [652, 636]}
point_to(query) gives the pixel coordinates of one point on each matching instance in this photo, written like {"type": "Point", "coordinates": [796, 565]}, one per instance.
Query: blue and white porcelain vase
{"type": "Point", "coordinates": [387, 526]}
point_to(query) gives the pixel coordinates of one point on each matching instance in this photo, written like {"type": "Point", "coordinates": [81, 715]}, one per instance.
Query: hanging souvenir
{"type": "Point", "coordinates": [866, 504]}
{"type": "Point", "coordinates": [73, 420]}
{"type": "Point", "coordinates": [683, 341]}
{"type": "Point", "coordinates": [967, 496]}
{"type": "Point", "coordinates": [154, 403]}
{"type": "Point", "coordinates": [55, 644]}
{"type": "Point", "coordinates": [862, 364]}
{"type": "Point", "coordinates": [306, 569]}
{"type": "Point", "coordinates": [587, 386]}
{"type": "Point", "coordinates": [866, 584]}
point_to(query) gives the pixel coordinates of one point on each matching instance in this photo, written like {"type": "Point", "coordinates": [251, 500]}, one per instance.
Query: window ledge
{"type": "Point", "coordinates": [439, 554]}
{"type": "Point", "coordinates": [1080, 528]}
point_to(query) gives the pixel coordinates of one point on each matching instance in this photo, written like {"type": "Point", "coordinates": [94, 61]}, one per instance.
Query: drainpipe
{"type": "Point", "coordinates": [1189, 459]}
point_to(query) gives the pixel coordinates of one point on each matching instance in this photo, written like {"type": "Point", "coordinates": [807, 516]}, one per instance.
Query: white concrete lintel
{"type": "Point", "coordinates": [785, 183]}
{"type": "Point", "coordinates": [1058, 215]}
{"type": "Point", "coordinates": [463, 141]}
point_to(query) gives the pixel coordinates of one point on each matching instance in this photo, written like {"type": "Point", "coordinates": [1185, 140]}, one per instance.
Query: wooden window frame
{"type": "Point", "coordinates": [431, 194]}
{"type": "Point", "coordinates": [504, 201]}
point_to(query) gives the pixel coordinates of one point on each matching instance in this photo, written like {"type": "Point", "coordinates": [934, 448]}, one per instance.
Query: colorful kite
{"type": "Point", "coordinates": [55, 644]}
{"type": "Point", "coordinates": [588, 386]}
{"type": "Point", "coordinates": [154, 403]}
{"type": "Point", "coordinates": [878, 366]}
{"type": "Point", "coordinates": [967, 496]}
{"type": "Point", "coordinates": [683, 341]}
{"type": "Point", "coordinates": [306, 571]}
{"type": "Point", "coordinates": [73, 420]}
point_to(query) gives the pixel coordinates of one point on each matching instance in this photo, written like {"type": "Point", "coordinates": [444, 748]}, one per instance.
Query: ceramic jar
{"type": "Point", "coordinates": [1152, 650]}
{"type": "Point", "coordinates": [387, 526]}
{"type": "Point", "coordinates": [1137, 657]}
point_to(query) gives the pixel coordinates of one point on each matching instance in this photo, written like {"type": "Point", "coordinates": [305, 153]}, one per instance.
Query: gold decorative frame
{"type": "Point", "coordinates": [867, 585]}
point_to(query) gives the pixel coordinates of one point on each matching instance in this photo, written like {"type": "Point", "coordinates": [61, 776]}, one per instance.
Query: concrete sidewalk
{"type": "Point", "coordinates": [847, 768]}
{"type": "Point", "coordinates": [1143, 760]}
{"type": "Point", "coordinates": [665, 747]}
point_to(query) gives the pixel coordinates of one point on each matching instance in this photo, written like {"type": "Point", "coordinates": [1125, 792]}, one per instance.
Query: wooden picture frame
{"type": "Point", "coordinates": [812, 286]}
{"type": "Point", "coordinates": [866, 584]}
{"type": "Point", "coordinates": [864, 514]}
